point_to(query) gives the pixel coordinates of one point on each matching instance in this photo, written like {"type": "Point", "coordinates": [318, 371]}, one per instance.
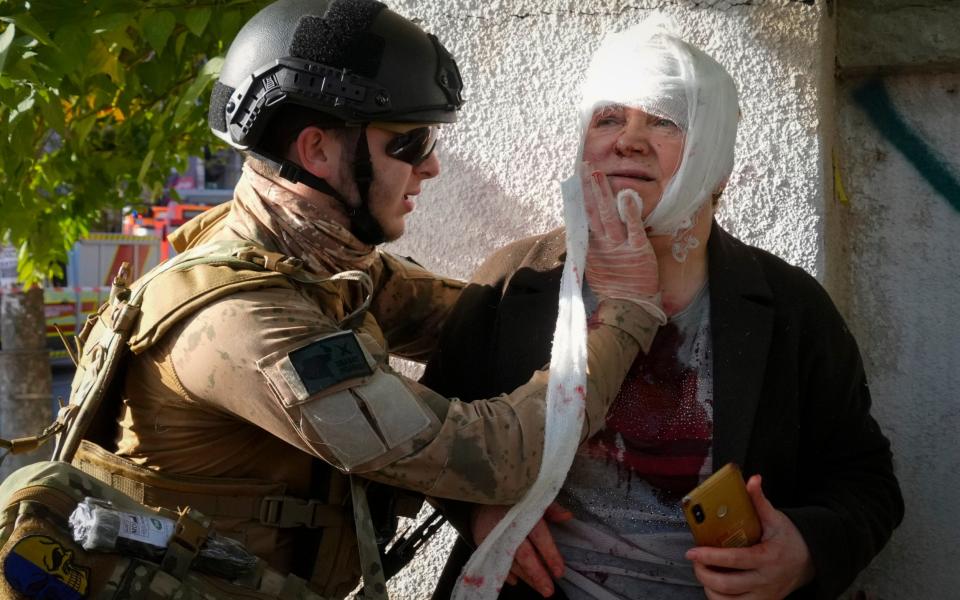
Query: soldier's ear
{"type": "Point", "coordinates": [316, 150]}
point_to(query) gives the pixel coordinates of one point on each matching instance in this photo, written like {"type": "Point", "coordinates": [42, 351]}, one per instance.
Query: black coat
{"type": "Point", "coordinates": [790, 398]}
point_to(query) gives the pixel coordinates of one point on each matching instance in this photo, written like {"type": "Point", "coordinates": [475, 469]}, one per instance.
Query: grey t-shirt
{"type": "Point", "coordinates": [628, 537]}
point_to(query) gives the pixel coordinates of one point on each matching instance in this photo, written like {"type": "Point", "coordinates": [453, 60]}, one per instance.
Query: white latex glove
{"type": "Point", "coordinates": [620, 260]}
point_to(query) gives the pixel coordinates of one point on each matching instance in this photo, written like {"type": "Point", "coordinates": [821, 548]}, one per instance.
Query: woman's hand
{"type": "Point", "coordinates": [768, 570]}
{"type": "Point", "coordinates": [537, 557]}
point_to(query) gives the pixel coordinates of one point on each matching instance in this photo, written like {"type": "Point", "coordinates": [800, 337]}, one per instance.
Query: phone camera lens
{"type": "Point", "coordinates": [698, 515]}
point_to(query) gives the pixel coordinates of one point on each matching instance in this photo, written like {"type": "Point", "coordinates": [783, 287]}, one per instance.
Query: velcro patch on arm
{"type": "Point", "coordinates": [350, 411]}
{"type": "Point", "coordinates": [330, 361]}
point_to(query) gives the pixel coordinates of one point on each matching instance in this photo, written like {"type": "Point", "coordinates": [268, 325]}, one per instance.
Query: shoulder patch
{"type": "Point", "coordinates": [39, 566]}
{"type": "Point", "coordinates": [329, 361]}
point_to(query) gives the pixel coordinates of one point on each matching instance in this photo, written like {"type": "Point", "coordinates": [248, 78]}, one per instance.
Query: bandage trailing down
{"type": "Point", "coordinates": [644, 67]}
{"type": "Point", "coordinates": [488, 567]}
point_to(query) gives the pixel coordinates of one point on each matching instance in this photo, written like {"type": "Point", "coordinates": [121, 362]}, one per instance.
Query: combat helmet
{"type": "Point", "coordinates": [353, 62]}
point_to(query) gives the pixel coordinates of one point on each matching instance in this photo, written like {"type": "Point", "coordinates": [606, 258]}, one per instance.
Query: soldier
{"type": "Point", "coordinates": [258, 377]}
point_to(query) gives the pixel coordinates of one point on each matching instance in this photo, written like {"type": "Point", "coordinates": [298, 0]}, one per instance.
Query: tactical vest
{"type": "Point", "coordinates": [40, 559]}
{"type": "Point", "coordinates": [138, 316]}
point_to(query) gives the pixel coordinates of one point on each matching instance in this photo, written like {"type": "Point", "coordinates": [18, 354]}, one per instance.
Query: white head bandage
{"type": "Point", "coordinates": [650, 68]}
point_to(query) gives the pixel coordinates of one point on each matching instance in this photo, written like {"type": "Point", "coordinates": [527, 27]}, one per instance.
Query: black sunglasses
{"type": "Point", "coordinates": [414, 146]}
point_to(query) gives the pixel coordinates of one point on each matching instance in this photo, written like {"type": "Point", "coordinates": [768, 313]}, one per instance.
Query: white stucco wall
{"type": "Point", "coordinates": [522, 62]}
{"type": "Point", "coordinates": [898, 284]}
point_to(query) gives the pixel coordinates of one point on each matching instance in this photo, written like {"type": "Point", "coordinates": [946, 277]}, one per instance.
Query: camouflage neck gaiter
{"type": "Point", "coordinates": [298, 225]}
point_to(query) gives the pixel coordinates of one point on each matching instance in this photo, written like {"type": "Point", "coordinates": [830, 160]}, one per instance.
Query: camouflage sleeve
{"type": "Point", "coordinates": [332, 394]}
{"type": "Point", "coordinates": [411, 305]}
{"type": "Point", "coordinates": [489, 451]}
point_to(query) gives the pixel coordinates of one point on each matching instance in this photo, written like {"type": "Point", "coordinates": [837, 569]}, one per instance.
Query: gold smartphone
{"type": "Point", "coordinates": [720, 512]}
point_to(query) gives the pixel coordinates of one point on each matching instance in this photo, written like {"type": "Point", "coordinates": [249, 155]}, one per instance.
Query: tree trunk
{"type": "Point", "coordinates": [26, 405]}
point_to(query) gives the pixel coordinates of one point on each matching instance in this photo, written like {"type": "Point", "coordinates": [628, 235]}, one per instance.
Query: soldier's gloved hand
{"type": "Point", "coordinates": [620, 260]}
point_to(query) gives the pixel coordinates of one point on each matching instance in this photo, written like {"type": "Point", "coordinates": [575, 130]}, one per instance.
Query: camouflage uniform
{"type": "Point", "coordinates": [242, 389]}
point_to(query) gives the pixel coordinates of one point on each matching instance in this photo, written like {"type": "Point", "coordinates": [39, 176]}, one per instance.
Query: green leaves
{"type": "Point", "coordinates": [197, 19]}
{"type": "Point", "coordinates": [98, 101]}
{"type": "Point", "coordinates": [6, 39]}
{"type": "Point", "coordinates": [25, 105]}
{"type": "Point", "coordinates": [81, 128]}
{"type": "Point", "coordinates": [28, 24]}
{"type": "Point", "coordinates": [157, 27]}
{"type": "Point", "coordinates": [144, 166]}
{"type": "Point", "coordinates": [188, 101]}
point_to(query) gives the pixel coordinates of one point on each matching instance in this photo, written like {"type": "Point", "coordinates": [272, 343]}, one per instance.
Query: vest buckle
{"type": "Point", "coordinates": [287, 511]}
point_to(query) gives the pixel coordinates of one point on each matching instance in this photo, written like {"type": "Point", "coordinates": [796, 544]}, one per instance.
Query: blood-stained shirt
{"type": "Point", "coordinates": [629, 536]}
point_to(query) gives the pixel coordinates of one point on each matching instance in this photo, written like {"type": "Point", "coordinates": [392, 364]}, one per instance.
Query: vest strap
{"type": "Point", "coordinates": [251, 500]}
{"type": "Point", "coordinates": [189, 536]}
{"type": "Point", "coordinates": [374, 583]}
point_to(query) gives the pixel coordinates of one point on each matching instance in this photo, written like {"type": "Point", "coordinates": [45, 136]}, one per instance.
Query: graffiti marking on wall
{"type": "Point", "coordinates": [875, 101]}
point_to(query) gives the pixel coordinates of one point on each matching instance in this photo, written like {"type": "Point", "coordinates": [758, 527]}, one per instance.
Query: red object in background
{"type": "Point", "coordinates": [162, 221]}
{"type": "Point", "coordinates": [68, 308]}
{"type": "Point", "coordinates": [185, 182]}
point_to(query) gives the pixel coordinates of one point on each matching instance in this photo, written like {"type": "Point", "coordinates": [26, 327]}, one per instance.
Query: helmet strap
{"type": "Point", "coordinates": [293, 172]}
{"type": "Point", "coordinates": [362, 223]}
